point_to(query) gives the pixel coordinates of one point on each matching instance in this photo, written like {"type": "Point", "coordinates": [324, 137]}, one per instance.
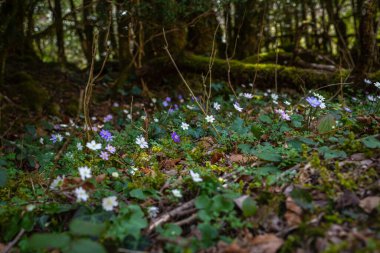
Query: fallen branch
{"type": "Point", "coordinates": [14, 241]}
{"type": "Point", "coordinates": [167, 216]}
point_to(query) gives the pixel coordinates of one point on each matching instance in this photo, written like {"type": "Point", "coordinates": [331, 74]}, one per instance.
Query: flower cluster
{"type": "Point", "coordinates": [316, 101]}
{"type": "Point", "coordinates": [282, 114]}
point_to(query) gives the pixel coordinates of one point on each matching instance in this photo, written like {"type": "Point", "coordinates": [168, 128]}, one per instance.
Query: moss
{"type": "Point", "coordinates": [28, 91]}
{"type": "Point", "coordinates": [283, 57]}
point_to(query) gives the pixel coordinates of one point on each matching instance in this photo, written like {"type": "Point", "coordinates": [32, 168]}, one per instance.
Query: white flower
{"type": "Point", "coordinates": [115, 104]}
{"type": "Point", "coordinates": [155, 120]}
{"type": "Point", "coordinates": [371, 98]}
{"type": "Point", "coordinates": [248, 95]}
{"type": "Point", "coordinates": [125, 111]}
{"type": "Point", "coordinates": [30, 207]}
{"type": "Point", "coordinates": [367, 81]}
{"type": "Point", "coordinates": [153, 211]}
{"type": "Point", "coordinates": [250, 84]}
{"type": "Point", "coordinates": [190, 107]}
{"type": "Point", "coordinates": [377, 84]}
{"type": "Point", "coordinates": [84, 172]}
{"type": "Point", "coordinates": [274, 96]}
{"type": "Point", "coordinates": [81, 194]}
{"type": "Point", "coordinates": [57, 183]}
{"type": "Point", "coordinates": [216, 106]}
{"type": "Point", "coordinates": [129, 116]}
{"type": "Point", "coordinates": [79, 146]}
{"type": "Point", "coordinates": [140, 140]}
{"type": "Point", "coordinates": [195, 176]}
{"type": "Point", "coordinates": [133, 170]}
{"type": "Point", "coordinates": [177, 193]}
{"type": "Point", "coordinates": [154, 100]}
{"type": "Point", "coordinates": [185, 126]}
{"type": "Point", "coordinates": [42, 141]}
{"type": "Point", "coordinates": [59, 137]}
{"type": "Point", "coordinates": [143, 117]}
{"type": "Point", "coordinates": [115, 174]}
{"type": "Point", "coordinates": [322, 105]}
{"type": "Point", "coordinates": [93, 145]}
{"type": "Point", "coordinates": [109, 203]}
{"type": "Point", "coordinates": [287, 102]}
{"type": "Point", "coordinates": [237, 107]}
{"type": "Point", "coordinates": [210, 118]}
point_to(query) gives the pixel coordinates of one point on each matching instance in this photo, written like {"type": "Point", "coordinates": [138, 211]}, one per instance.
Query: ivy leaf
{"type": "Point", "coordinates": [85, 246]}
{"type": "Point", "coordinates": [326, 123]}
{"type": "Point", "coordinates": [371, 142]}
{"type": "Point", "coordinates": [269, 156]}
{"type": "Point", "coordinates": [137, 194]}
{"type": "Point", "coordinates": [49, 241]}
{"type": "Point", "coordinates": [265, 118]}
{"type": "Point", "coordinates": [81, 227]}
{"type": "Point", "coordinates": [222, 204]}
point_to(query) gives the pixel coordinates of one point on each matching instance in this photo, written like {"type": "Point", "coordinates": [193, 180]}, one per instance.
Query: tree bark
{"type": "Point", "coordinates": [367, 40]}
{"type": "Point", "coordinates": [57, 14]}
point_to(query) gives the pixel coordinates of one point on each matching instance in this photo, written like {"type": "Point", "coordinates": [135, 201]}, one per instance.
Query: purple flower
{"type": "Point", "coordinates": [180, 97]}
{"type": "Point", "coordinates": [104, 155]}
{"type": "Point", "coordinates": [347, 109]}
{"type": "Point", "coordinates": [111, 149]}
{"type": "Point", "coordinates": [168, 99]}
{"type": "Point", "coordinates": [108, 118]}
{"type": "Point", "coordinates": [165, 104]}
{"type": "Point", "coordinates": [313, 101]}
{"type": "Point", "coordinates": [175, 137]}
{"type": "Point", "coordinates": [171, 110]}
{"type": "Point", "coordinates": [176, 107]}
{"type": "Point", "coordinates": [53, 138]}
{"type": "Point", "coordinates": [105, 134]}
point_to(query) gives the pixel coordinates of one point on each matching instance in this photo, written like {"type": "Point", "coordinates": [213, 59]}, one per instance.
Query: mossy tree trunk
{"type": "Point", "coordinates": [58, 23]}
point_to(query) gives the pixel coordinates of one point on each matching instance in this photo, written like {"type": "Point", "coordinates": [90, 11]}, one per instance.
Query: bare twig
{"type": "Point", "coordinates": [167, 216]}
{"type": "Point", "coordinates": [14, 241]}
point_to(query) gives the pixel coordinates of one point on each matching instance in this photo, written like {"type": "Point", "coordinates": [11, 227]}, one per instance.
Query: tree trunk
{"type": "Point", "coordinates": [58, 23]}
{"type": "Point", "coordinates": [88, 28]}
{"type": "Point", "coordinates": [367, 40]}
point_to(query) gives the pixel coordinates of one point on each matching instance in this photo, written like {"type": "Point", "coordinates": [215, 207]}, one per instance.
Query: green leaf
{"type": "Point", "coordinates": [86, 228]}
{"type": "Point", "coordinates": [265, 118]}
{"type": "Point", "coordinates": [209, 233]}
{"type": "Point", "coordinates": [202, 202]}
{"type": "Point", "coordinates": [137, 194]}
{"type": "Point", "coordinates": [170, 230]}
{"type": "Point", "coordinates": [48, 241]}
{"type": "Point", "coordinates": [269, 156]}
{"type": "Point", "coordinates": [326, 123]}
{"type": "Point", "coordinates": [245, 148]}
{"type": "Point", "coordinates": [371, 142]}
{"type": "Point", "coordinates": [249, 207]}
{"type": "Point", "coordinates": [302, 198]}
{"type": "Point", "coordinates": [222, 204]}
{"type": "Point", "coordinates": [85, 246]}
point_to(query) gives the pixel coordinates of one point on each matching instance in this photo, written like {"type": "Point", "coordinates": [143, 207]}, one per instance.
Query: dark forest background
{"type": "Point", "coordinates": [49, 48]}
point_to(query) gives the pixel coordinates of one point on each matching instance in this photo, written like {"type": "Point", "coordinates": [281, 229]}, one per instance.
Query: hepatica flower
{"type": "Point", "coordinates": [377, 84]}
{"type": "Point", "coordinates": [111, 149]}
{"type": "Point", "coordinates": [84, 172]}
{"type": "Point", "coordinates": [313, 101]}
{"type": "Point", "coordinates": [195, 176]}
{"type": "Point", "coordinates": [177, 193]}
{"type": "Point", "coordinates": [107, 118]}
{"type": "Point", "coordinates": [237, 107]}
{"type": "Point", "coordinates": [93, 145]}
{"type": "Point", "coordinates": [185, 126]}
{"type": "Point", "coordinates": [282, 114]}
{"type": "Point", "coordinates": [210, 118]}
{"type": "Point", "coordinates": [56, 138]}
{"type": "Point", "coordinates": [81, 194]}
{"type": "Point", "coordinates": [57, 183]}
{"type": "Point", "coordinates": [153, 211]}
{"type": "Point", "coordinates": [140, 140]}
{"type": "Point", "coordinates": [104, 155]}
{"type": "Point", "coordinates": [175, 137]}
{"type": "Point", "coordinates": [106, 135]}
{"type": "Point", "coordinates": [216, 106]}
{"type": "Point", "coordinates": [109, 203]}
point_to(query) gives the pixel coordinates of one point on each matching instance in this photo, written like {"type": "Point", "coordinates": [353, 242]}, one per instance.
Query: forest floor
{"type": "Point", "coordinates": [262, 171]}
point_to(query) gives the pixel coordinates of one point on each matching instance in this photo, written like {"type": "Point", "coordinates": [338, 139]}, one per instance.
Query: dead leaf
{"type": "Point", "coordinates": [369, 203]}
{"type": "Point", "coordinates": [293, 213]}
{"type": "Point", "coordinates": [100, 178]}
{"type": "Point", "coordinates": [268, 243]}
{"type": "Point", "coordinates": [242, 159]}
{"type": "Point", "coordinates": [206, 142]}
{"type": "Point", "coordinates": [216, 157]}
{"type": "Point", "coordinates": [232, 248]}
{"type": "Point", "coordinates": [169, 163]}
